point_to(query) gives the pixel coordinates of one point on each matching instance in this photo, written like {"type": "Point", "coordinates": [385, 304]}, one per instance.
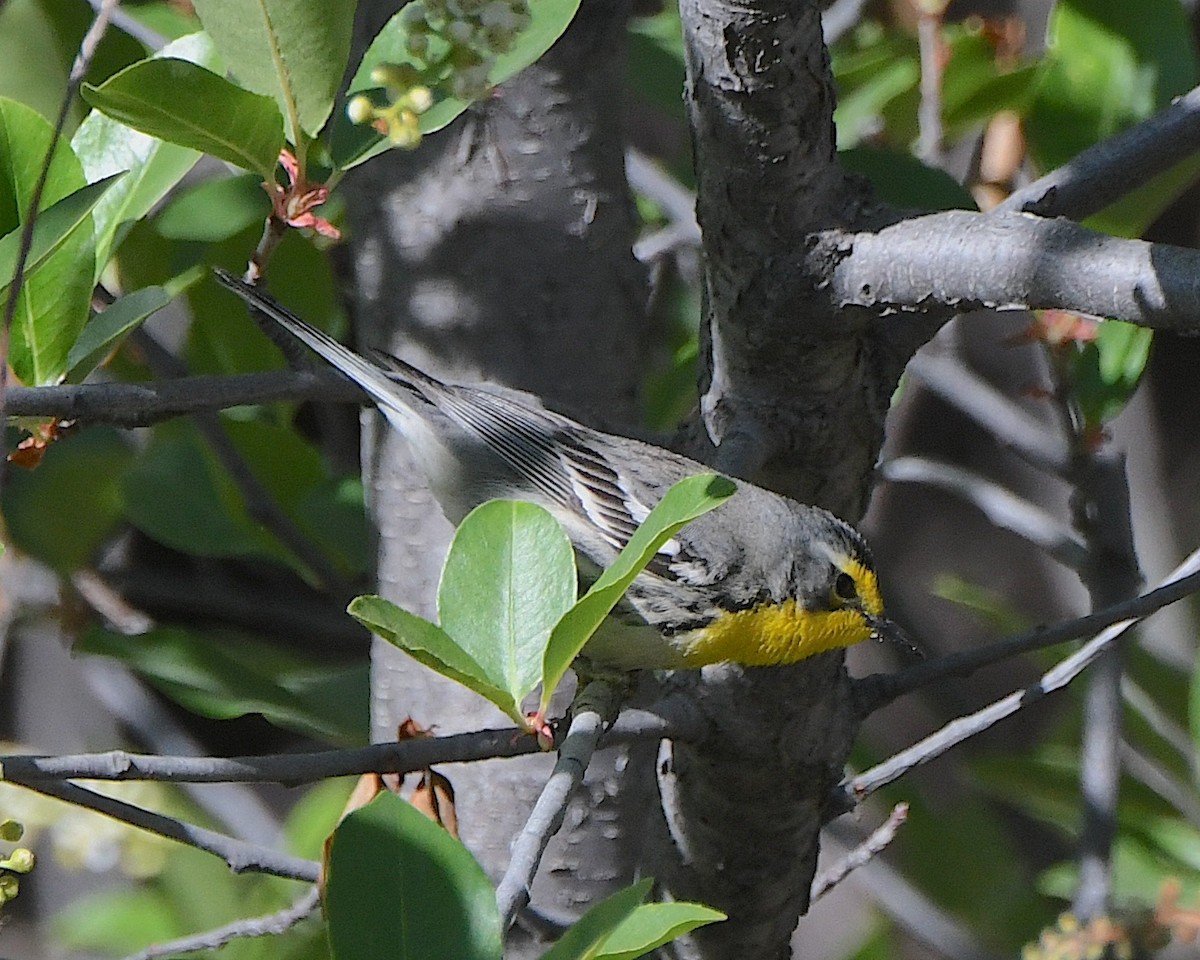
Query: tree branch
{"type": "Point", "coordinates": [270, 925]}
{"type": "Point", "coordinates": [1001, 506]}
{"type": "Point", "coordinates": [1109, 170]}
{"type": "Point", "coordinates": [241, 857]}
{"type": "Point", "coordinates": [142, 404]}
{"type": "Point", "coordinates": [405, 756]}
{"type": "Point", "coordinates": [955, 261]}
{"type": "Point", "coordinates": [855, 790]}
{"type": "Point", "coordinates": [878, 690]}
{"type": "Point", "coordinates": [592, 710]}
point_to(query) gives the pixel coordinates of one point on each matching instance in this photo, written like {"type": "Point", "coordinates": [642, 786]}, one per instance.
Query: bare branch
{"type": "Point", "coordinates": [241, 857]}
{"type": "Point", "coordinates": [993, 410]}
{"type": "Point", "coordinates": [270, 925]}
{"type": "Point", "coordinates": [593, 708]}
{"type": "Point", "coordinates": [858, 788]}
{"type": "Point", "coordinates": [669, 718]}
{"type": "Point", "coordinates": [1179, 794]}
{"type": "Point", "coordinates": [141, 404]}
{"type": "Point", "coordinates": [879, 689]}
{"type": "Point", "coordinates": [862, 854]}
{"type": "Point", "coordinates": [961, 261]}
{"type": "Point", "coordinates": [1108, 171]}
{"type": "Point", "coordinates": [1001, 506]}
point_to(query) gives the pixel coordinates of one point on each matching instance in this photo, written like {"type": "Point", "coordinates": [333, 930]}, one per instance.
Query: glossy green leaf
{"type": "Point", "coordinates": [33, 67]}
{"type": "Point", "coordinates": [294, 51]}
{"type": "Point", "coordinates": [586, 937]}
{"type": "Point", "coordinates": [227, 676]}
{"type": "Point", "coordinates": [399, 887]}
{"type": "Point", "coordinates": [429, 644]}
{"type": "Point", "coordinates": [183, 103]}
{"type": "Point", "coordinates": [1109, 64]}
{"type": "Point", "coordinates": [684, 502]}
{"type": "Point", "coordinates": [508, 579]}
{"type": "Point", "coordinates": [53, 305]}
{"type": "Point", "coordinates": [64, 510]}
{"type": "Point", "coordinates": [108, 330]}
{"type": "Point", "coordinates": [215, 210]}
{"type": "Point", "coordinates": [152, 166]}
{"type": "Point", "coordinates": [353, 144]}
{"type": "Point", "coordinates": [653, 924]}
{"type": "Point", "coordinates": [179, 493]}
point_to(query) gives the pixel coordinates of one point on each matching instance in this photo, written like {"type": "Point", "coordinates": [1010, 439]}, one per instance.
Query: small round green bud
{"type": "Point", "coordinates": [394, 76]}
{"type": "Point", "coordinates": [11, 831]}
{"type": "Point", "coordinates": [10, 886]}
{"type": "Point", "coordinates": [419, 99]}
{"type": "Point", "coordinates": [360, 110]}
{"type": "Point", "coordinates": [20, 860]}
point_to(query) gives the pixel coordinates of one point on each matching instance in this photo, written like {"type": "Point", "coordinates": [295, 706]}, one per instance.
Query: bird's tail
{"type": "Point", "coordinates": [390, 388]}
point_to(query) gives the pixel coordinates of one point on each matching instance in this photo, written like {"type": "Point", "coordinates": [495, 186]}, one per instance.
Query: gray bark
{"type": "Point", "coordinates": [501, 250]}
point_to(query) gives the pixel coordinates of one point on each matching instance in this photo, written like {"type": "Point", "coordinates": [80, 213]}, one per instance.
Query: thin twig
{"type": "Point", "coordinates": [143, 404]}
{"type": "Point", "coordinates": [1001, 416]}
{"type": "Point", "coordinates": [404, 756]}
{"type": "Point", "coordinates": [1149, 773]}
{"type": "Point", "coordinates": [593, 708]}
{"type": "Point", "coordinates": [878, 689]}
{"type": "Point", "coordinates": [856, 789]}
{"type": "Point", "coordinates": [912, 910]}
{"type": "Point", "coordinates": [241, 857]}
{"type": "Point", "coordinates": [1001, 506]}
{"type": "Point", "coordinates": [1108, 171]}
{"type": "Point", "coordinates": [1157, 719]}
{"type": "Point", "coordinates": [87, 50]}
{"type": "Point", "coordinates": [862, 854]}
{"type": "Point", "coordinates": [929, 109]}
{"type": "Point", "coordinates": [272, 924]}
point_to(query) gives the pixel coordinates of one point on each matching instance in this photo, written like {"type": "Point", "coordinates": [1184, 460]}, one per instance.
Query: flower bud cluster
{"type": "Point", "coordinates": [19, 861]}
{"type": "Point", "coordinates": [456, 43]}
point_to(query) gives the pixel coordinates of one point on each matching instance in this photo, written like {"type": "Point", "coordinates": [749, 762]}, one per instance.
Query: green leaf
{"type": "Point", "coordinates": [879, 69]}
{"type": "Point", "coordinates": [429, 644]}
{"type": "Point", "coordinates": [353, 143]}
{"type": "Point", "coordinates": [53, 305]}
{"type": "Point", "coordinates": [180, 494]}
{"type": "Point", "coordinates": [683, 503]}
{"type": "Point", "coordinates": [227, 676]}
{"type": "Point", "coordinates": [587, 935]}
{"type": "Point", "coordinates": [399, 887]}
{"type": "Point", "coordinates": [653, 924]}
{"type": "Point", "coordinates": [33, 66]}
{"type": "Point", "coordinates": [106, 147]}
{"type": "Point", "coordinates": [294, 51]}
{"type": "Point", "coordinates": [215, 210]}
{"type": "Point", "coordinates": [64, 510]}
{"type": "Point", "coordinates": [902, 180]}
{"type": "Point", "coordinates": [109, 329]}
{"type": "Point", "coordinates": [1109, 65]}
{"type": "Point", "coordinates": [508, 579]}
{"type": "Point", "coordinates": [1107, 371]}
{"type": "Point", "coordinates": [180, 102]}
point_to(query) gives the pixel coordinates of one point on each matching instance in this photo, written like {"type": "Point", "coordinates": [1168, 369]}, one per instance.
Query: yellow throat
{"type": "Point", "coordinates": [777, 633]}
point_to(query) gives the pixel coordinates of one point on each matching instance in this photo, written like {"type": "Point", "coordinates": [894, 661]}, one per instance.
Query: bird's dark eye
{"type": "Point", "coordinates": [844, 588]}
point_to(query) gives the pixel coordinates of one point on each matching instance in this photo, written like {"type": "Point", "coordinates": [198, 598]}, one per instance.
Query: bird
{"type": "Point", "coordinates": [761, 581]}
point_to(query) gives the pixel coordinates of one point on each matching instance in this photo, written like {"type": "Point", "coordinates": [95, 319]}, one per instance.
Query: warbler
{"type": "Point", "coordinates": [761, 580]}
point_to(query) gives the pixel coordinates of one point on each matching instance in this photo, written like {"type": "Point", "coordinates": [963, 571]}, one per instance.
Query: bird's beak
{"type": "Point", "coordinates": [888, 631]}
